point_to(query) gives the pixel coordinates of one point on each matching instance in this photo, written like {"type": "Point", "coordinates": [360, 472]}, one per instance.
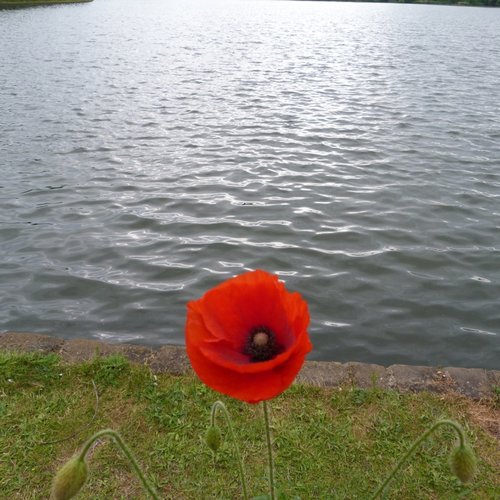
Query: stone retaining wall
{"type": "Point", "coordinates": [475, 383]}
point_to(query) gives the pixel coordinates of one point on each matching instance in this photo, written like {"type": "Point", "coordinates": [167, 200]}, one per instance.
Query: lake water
{"type": "Point", "coordinates": [151, 149]}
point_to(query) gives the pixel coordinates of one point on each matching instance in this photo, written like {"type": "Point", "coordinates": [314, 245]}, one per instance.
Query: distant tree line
{"type": "Point", "coordinates": [479, 3]}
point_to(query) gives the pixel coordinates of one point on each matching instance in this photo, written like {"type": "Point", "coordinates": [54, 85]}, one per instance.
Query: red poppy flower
{"type": "Point", "coordinates": [247, 337]}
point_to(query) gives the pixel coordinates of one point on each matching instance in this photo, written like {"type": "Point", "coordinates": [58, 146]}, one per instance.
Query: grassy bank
{"type": "Point", "coordinates": [19, 4]}
{"type": "Point", "coordinates": [329, 443]}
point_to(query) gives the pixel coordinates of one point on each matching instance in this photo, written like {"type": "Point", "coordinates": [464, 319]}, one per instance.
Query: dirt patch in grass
{"type": "Point", "coordinates": [486, 415]}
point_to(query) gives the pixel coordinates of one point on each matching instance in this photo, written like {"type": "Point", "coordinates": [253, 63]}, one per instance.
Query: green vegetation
{"type": "Point", "coordinates": [470, 3]}
{"type": "Point", "coordinates": [329, 443]}
{"type": "Point", "coordinates": [19, 4]}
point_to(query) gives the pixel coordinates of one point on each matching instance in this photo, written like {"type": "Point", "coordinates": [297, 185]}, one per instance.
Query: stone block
{"type": "Point", "coordinates": [471, 382]}
{"type": "Point", "coordinates": [366, 375]}
{"type": "Point", "coordinates": [136, 353]}
{"type": "Point", "coordinates": [494, 378]}
{"type": "Point", "coordinates": [29, 342]}
{"type": "Point", "coordinates": [323, 373]}
{"type": "Point", "coordinates": [77, 350]}
{"type": "Point", "coordinates": [408, 378]}
{"type": "Point", "coordinates": [170, 359]}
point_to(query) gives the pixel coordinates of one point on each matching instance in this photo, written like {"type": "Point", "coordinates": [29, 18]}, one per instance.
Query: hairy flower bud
{"type": "Point", "coordinates": [69, 479]}
{"type": "Point", "coordinates": [213, 438]}
{"type": "Point", "coordinates": [463, 463]}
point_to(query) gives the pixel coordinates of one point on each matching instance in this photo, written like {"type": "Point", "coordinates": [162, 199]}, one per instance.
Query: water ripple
{"type": "Point", "coordinates": [351, 149]}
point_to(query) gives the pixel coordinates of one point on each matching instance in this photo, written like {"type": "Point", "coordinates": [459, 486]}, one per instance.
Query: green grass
{"type": "Point", "coordinates": [329, 443]}
{"type": "Point", "coordinates": [18, 4]}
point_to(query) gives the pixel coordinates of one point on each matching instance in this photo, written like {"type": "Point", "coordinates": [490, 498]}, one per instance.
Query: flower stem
{"type": "Point", "coordinates": [414, 446]}
{"type": "Point", "coordinates": [126, 451]}
{"type": "Point", "coordinates": [269, 451]}
{"type": "Point", "coordinates": [219, 405]}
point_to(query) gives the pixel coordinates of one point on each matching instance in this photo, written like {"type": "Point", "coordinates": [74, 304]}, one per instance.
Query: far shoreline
{"type": "Point", "coordinates": [21, 4]}
{"type": "Point", "coordinates": [448, 3]}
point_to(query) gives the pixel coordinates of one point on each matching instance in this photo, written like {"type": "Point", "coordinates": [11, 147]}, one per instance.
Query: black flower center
{"type": "Point", "coordinates": [261, 344]}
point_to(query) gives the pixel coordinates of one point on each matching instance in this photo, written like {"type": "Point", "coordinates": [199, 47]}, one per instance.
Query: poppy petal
{"type": "Point", "coordinates": [219, 325]}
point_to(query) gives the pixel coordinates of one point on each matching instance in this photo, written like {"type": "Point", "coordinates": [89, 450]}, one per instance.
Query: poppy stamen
{"type": "Point", "coordinates": [261, 339]}
{"type": "Point", "coordinates": [261, 344]}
